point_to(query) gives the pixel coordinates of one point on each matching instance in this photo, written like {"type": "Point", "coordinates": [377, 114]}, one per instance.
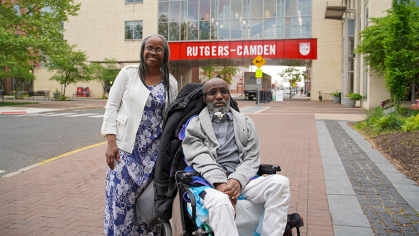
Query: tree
{"type": "Point", "coordinates": [208, 71]}
{"type": "Point", "coordinates": [28, 27]}
{"type": "Point", "coordinates": [69, 67]}
{"type": "Point", "coordinates": [390, 47]}
{"type": "Point", "coordinates": [105, 74]}
{"type": "Point", "coordinates": [227, 72]}
{"type": "Point", "coordinates": [401, 48]}
{"type": "Point", "coordinates": [292, 75]}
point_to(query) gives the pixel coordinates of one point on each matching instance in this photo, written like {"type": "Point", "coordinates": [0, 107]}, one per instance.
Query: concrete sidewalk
{"type": "Point", "coordinates": [51, 105]}
{"type": "Point", "coordinates": [339, 184]}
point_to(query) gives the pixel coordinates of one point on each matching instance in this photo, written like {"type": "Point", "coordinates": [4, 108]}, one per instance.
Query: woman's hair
{"type": "Point", "coordinates": [164, 66]}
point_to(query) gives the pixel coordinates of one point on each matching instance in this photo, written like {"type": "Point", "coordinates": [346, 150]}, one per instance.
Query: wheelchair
{"type": "Point", "coordinates": [170, 176]}
{"type": "Point", "coordinates": [185, 180]}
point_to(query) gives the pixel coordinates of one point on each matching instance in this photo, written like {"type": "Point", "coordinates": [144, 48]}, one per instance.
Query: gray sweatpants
{"type": "Point", "coordinates": [273, 192]}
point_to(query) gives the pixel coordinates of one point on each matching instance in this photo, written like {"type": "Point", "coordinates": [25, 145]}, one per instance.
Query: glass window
{"type": "Point", "coordinates": [224, 9]}
{"type": "Point", "coordinates": [138, 30]}
{"type": "Point", "coordinates": [270, 28]}
{"type": "Point", "coordinates": [214, 25]}
{"type": "Point", "coordinates": [129, 27]}
{"type": "Point", "coordinates": [305, 7]}
{"type": "Point", "coordinates": [193, 30]}
{"type": "Point", "coordinates": [236, 29]}
{"type": "Point", "coordinates": [174, 13]}
{"type": "Point", "coordinates": [257, 28]}
{"type": "Point", "coordinates": [183, 11]}
{"type": "Point", "coordinates": [246, 29]}
{"type": "Point", "coordinates": [163, 11]}
{"type": "Point", "coordinates": [174, 31]}
{"type": "Point", "coordinates": [257, 8]}
{"type": "Point", "coordinates": [192, 10]}
{"type": "Point", "coordinates": [204, 30]}
{"type": "Point", "coordinates": [246, 8]}
{"type": "Point", "coordinates": [164, 30]}
{"type": "Point", "coordinates": [270, 8]}
{"type": "Point", "coordinates": [305, 27]}
{"type": "Point", "coordinates": [236, 9]}
{"type": "Point", "coordinates": [280, 28]}
{"type": "Point", "coordinates": [224, 29]}
{"type": "Point", "coordinates": [366, 18]}
{"type": "Point", "coordinates": [17, 9]}
{"type": "Point", "coordinates": [291, 8]}
{"type": "Point", "coordinates": [280, 8]}
{"type": "Point", "coordinates": [205, 10]}
{"type": "Point", "coordinates": [133, 29]}
{"type": "Point", "coordinates": [291, 27]}
{"type": "Point", "coordinates": [214, 10]}
{"type": "Point", "coordinates": [351, 27]}
{"type": "Point", "coordinates": [184, 31]}
{"type": "Point", "coordinates": [132, 1]}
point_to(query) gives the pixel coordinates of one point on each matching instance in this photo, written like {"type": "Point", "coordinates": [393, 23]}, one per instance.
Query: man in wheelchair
{"type": "Point", "coordinates": [223, 146]}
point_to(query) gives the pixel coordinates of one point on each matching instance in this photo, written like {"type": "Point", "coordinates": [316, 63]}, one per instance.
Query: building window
{"type": "Point", "coordinates": [133, 1]}
{"type": "Point", "coordinates": [133, 29]}
{"type": "Point", "coordinates": [234, 19]}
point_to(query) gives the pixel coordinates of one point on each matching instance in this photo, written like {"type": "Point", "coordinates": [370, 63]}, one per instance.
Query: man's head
{"type": "Point", "coordinates": [217, 96]}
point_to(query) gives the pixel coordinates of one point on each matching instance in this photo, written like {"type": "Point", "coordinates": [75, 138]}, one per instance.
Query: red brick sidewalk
{"type": "Point", "coordinates": [63, 197]}
{"type": "Point", "coordinates": [66, 196]}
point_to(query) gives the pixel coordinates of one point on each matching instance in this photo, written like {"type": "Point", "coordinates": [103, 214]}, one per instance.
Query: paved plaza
{"type": "Point", "coordinates": [339, 183]}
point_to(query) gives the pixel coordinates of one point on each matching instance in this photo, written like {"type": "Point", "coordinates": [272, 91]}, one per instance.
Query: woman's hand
{"type": "Point", "coordinates": [112, 151]}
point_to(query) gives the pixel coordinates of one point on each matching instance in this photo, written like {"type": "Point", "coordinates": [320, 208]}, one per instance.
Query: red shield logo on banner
{"type": "Point", "coordinates": [304, 49]}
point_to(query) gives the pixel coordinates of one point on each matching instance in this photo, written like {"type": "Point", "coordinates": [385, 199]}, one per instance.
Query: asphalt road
{"type": "Point", "coordinates": [28, 139]}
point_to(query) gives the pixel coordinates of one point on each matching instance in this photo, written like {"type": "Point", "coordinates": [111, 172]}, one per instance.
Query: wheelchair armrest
{"type": "Point", "coordinates": [266, 169]}
{"type": "Point", "coordinates": [184, 177]}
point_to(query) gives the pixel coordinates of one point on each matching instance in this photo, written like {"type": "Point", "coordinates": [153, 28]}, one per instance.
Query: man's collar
{"type": "Point", "coordinates": [230, 116]}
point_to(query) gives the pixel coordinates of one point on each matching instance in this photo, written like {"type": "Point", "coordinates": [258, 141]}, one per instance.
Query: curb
{"type": "Point", "coordinates": [50, 160]}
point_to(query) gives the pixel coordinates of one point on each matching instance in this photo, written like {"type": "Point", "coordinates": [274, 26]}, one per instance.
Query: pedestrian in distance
{"type": "Point", "coordinates": [132, 124]}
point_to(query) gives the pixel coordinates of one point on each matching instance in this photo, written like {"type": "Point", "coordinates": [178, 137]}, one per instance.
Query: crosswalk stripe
{"type": "Point", "coordinates": [99, 116]}
{"type": "Point", "coordinates": [59, 114]}
{"type": "Point", "coordinates": [84, 114]}
{"type": "Point", "coordinates": [1, 171]}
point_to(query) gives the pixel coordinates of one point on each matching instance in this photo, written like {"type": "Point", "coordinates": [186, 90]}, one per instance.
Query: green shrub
{"type": "Point", "coordinates": [355, 96]}
{"type": "Point", "coordinates": [334, 94]}
{"type": "Point", "coordinates": [390, 122]}
{"type": "Point", "coordinates": [411, 123]}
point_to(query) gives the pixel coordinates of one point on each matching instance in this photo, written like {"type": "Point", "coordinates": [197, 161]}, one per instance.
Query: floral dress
{"type": "Point", "coordinates": [131, 175]}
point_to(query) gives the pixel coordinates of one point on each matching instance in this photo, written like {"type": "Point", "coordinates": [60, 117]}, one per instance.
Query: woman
{"type": "Point", "coordinates": [133, 125]}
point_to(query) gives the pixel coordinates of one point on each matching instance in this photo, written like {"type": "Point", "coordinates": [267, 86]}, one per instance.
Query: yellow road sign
{"type": "Point", "coordinates": [258, 73]}
{"type": "Point", "coordinates": [259, 61]}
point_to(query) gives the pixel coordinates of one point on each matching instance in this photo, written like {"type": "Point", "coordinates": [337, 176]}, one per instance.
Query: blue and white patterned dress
{"type": "Point", "coordinates": [131, 175]}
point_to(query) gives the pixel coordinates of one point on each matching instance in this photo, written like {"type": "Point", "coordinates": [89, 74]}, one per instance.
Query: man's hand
{"type": "Point", "coordinates": [220, 186]}
{"type": "Point", "coordinates": [233, 188]}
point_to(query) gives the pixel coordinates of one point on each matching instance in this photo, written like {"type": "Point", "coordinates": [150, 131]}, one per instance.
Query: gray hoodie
{"type": "Point", "coordinates": [200, 148]}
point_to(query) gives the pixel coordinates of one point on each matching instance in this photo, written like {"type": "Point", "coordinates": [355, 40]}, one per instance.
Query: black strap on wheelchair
{"type": "Point", "coordinates": [193, 204]}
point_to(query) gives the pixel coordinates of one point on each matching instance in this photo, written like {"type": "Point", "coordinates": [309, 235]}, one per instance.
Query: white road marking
{"type": "Point", "coordinates": [59, 114]}
{"type": "Point", "coordinates": [1, 171]}
{"type": "Point", "coordinates": [84, 114]}
{"type": "Point", "coordinates": [99, 116]}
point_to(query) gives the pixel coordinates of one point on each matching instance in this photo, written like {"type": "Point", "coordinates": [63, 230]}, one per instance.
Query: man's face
{"type": "Point", "coordinates": [217, 96]}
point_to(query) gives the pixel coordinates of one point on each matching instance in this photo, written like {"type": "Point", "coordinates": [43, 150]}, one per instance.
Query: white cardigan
{"type": "Point", "coordinates": [125, 106]}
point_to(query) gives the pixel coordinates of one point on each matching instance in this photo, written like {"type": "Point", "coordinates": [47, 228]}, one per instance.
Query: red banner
{"type": "Point", "coordinates": [287, 48]}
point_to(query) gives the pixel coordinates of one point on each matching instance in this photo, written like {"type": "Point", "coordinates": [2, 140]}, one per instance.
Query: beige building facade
{"type": "Point", "coordinates": [115, 29]}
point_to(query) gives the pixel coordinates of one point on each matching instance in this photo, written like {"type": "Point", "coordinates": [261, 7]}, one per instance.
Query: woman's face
{"type": "Point", "coordinates": [154, 52]}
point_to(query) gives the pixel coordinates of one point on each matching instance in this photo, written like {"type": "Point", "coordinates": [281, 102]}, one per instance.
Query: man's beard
{"type": "Point", "coordinates": [223, 109]}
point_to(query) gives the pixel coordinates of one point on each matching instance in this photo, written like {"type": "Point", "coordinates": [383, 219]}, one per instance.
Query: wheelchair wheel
{"type": "Point", "coordinates": [165, 229]}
